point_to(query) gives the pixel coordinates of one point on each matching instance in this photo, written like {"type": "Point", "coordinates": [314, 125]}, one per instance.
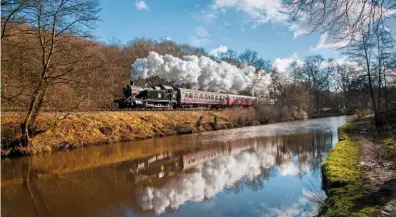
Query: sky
{"type": "Point", "coordinates": [216, 25]}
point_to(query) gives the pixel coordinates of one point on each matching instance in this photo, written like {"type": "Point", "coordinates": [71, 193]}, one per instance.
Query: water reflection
{"type": "Point", "coordinates": [261, 175]}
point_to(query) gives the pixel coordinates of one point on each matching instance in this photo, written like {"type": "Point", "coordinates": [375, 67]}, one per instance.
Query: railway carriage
{"type": "Point", "coordinates": [198, 98]}
{"type": "Point", "coordinates": [241, 101]}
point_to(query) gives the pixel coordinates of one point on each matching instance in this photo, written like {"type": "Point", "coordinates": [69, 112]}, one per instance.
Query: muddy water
{"type": "Point", "coordinates": [271, 170]}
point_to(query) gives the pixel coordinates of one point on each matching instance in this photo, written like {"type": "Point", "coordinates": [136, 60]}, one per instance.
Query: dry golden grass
{"type": "Point", "coordinates": [56, 132]}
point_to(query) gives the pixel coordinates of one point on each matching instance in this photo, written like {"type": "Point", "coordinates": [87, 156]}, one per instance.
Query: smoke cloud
{"type": "Point", "coordinates": [201, 72]}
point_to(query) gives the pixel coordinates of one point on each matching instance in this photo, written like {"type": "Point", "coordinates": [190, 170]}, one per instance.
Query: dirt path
{"type": "Point", "coordinates": [379, 177]}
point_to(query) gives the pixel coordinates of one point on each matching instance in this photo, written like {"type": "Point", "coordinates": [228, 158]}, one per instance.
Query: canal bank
{"type": "Point", "coordinates": [359, 175]}
{"type": "Point", "coordinates": [56, 132]}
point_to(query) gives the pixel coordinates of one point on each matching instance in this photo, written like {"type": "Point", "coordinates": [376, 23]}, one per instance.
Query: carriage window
{"type": "Point", "coordinates": [201, 96]}
{"type": "Point", "coordinates": [206, 96]}
{"type": "Point", "coordinates": [220, 97]}
{"type": "Point", "coordinates": [186, 95]}
{"type": "Point", "coordinates": [217, 98]}
{"type": "Point", "coordinates": [211, 97]}
{"type": "Point", "coordinates": [190, 95]}
{"type": "Point", "coordinates": [196, 96]}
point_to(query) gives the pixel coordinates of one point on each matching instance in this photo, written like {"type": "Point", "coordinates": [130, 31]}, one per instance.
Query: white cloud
{"type": "Point", "coordinates": [329, 41]}
{"type": "Point", "coordinates": [283, 64]}
{"type": "Point", "coordinates": [201, 35]}
{"type": "Point", "coordinates": [141, 5]}
{"type": "Point", "coordinates": [264, 11]}
{"type": "Point", "coordinates": [217, 51]}
{"type": "Point", "coordinates": [202, 32]}
{"type": "Point", "coordinates": [206, 15]}
{"type": "Point", "coordinates": [258, 11]}
{"type": "Point", "coordinates": [195, 41]}
{"type": "Point", "coordinates": [168, 38]}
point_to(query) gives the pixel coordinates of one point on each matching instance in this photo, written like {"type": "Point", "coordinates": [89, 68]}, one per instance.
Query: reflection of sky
{"type": "Point", "coordinates": [267, 182]}
{"type": "Point", "coordinates": [209, 179]}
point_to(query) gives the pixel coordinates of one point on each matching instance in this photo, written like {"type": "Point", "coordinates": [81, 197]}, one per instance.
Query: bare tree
{"type": "Point", "coordinates": [362, 53]}
{"type": "Point", "coordinates": [344, 19]}
{"type": "Point", "coordinates": [187, 49]}
{"type": "Point", "coordinates": [384, 57]}
{"type": "Point", "coordinates": [230, 56]}
{"type": "Point", "coordinates": [356, 22]}
{"type": "Point", "coordinates": [252, 58]}
{"type": "Point", "coordinates": [12, 15]}
{"type": "Point", "coordinates": [347, 78]}
{"type": "Point", "coordinates": [316, 76]}
{"type": "Point", "coordinates": [52, 23]}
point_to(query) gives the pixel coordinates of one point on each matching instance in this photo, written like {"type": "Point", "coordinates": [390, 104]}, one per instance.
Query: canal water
{"type": "Point", "coordinates": [270, 170]}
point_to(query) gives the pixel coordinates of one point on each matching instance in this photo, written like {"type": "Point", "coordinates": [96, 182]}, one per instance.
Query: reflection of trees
{"type": "Point", "coordinates": [308, 149]}
{"type": "Point", "coordinates": [257, 182]}
{"type": "Point", "coordinates": [115, 182]}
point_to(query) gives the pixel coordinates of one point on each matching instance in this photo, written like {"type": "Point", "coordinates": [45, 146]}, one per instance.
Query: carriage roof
{"type": "Point", "coordinates": [200, 91]}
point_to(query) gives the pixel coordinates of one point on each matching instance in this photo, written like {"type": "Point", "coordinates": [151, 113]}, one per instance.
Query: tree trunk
{"type": "Point", "coordinates": [372, 97]}
{"type": "Point", "coordinates": [367, 59]}
{"type": "Point", "coordinates": [27, 123]}
{"type": "Point", "coordinates": [385, 92]}
{"type": "Point", "coordinates": [30, 118]}
{"type": "Point", "coordinates": [41, 98]}
{"type": "Point", "coordinates": [379, 71]}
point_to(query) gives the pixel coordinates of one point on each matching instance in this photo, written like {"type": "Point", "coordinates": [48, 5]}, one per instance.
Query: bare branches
{"type": "Point", "coordinates": [344, 20]}
{"type": "Point", "coordinates": [11, 10]}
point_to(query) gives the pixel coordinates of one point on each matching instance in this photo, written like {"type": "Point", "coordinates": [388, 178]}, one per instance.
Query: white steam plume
{"type": "Point", "coordinates": [202, 72]}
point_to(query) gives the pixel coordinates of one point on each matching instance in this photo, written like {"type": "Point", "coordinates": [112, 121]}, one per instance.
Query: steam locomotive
{"type": "Point", "coordinates": [163, 96]}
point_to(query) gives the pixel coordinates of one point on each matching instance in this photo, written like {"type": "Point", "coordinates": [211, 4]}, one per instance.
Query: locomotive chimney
{"type": "Point", "coordinates": [131, 82]}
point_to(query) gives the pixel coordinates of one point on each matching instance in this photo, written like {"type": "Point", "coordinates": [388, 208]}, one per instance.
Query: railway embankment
{"type": "Point", "coordinates": [359, 175]}
{"type": "Point", "coordinates": [57, 132]}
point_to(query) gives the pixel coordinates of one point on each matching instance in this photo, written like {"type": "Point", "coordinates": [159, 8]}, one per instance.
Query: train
{"type": "Point", "coordinates": [164, 96]}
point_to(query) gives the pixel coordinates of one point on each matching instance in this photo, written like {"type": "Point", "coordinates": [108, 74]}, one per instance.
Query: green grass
{"type": "Point", "coordinates": [343, 130]}
{"type": "Point", "coordinates": [390, 144]}
{"type": "Point", "coordinates": [342, 178]}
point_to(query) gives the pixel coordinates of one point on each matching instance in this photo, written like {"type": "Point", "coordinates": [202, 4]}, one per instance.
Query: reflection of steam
{"type": "Point", "coordinates": [206, 181]}
{"type": "Point", "coordinates": [288, 168]}
{"type": "Point", "coordinates": [292, 169]}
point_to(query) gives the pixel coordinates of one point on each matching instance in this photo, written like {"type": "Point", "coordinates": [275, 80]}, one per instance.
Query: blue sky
{"type": "Point", "coordinates": [236, 24]}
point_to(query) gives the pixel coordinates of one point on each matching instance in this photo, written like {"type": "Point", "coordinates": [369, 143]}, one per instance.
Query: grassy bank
{"type": "Point", "coordinates": [350, 183]}
{"type": "Point", "coordinates": [59, 131]}
{"type": "Point", "coordinates": [342, 177]}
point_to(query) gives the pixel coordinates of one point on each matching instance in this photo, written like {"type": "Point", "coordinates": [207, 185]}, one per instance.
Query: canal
{"type": "Point", "coordinates": [269, 170]}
